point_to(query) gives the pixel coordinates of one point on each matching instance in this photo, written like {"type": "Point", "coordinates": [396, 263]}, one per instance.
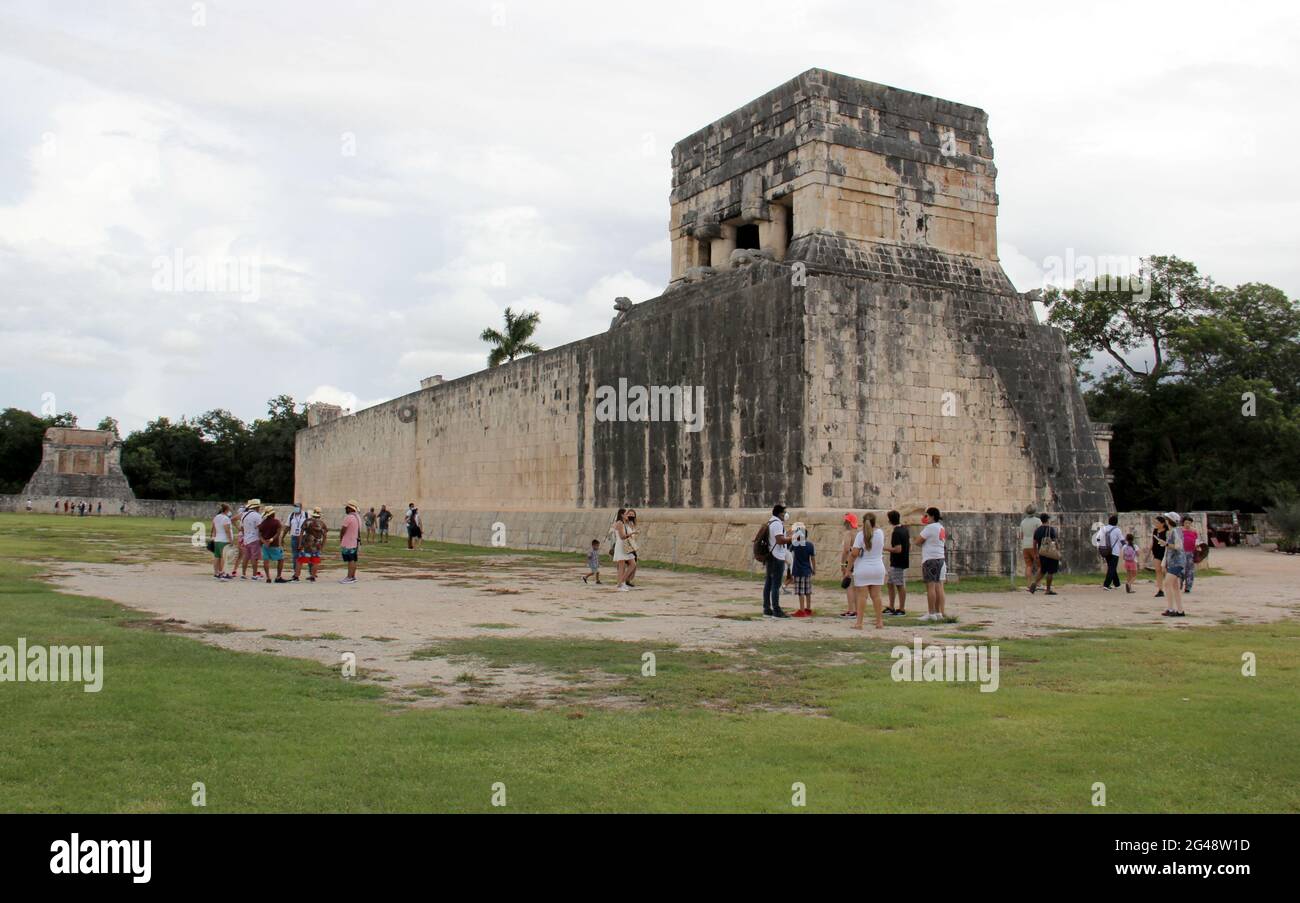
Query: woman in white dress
{"type": "Point", "coordinates": [623, 555]}
{"type": "Point", "coordinates": [869, 569]}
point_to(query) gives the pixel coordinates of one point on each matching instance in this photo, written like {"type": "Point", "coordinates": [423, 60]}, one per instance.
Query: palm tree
{"type": "Point", "coordinates": [513, 342]}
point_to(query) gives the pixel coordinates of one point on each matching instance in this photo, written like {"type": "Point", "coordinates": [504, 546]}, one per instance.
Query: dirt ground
{"type": "Point", "coordinates": [393, 612]}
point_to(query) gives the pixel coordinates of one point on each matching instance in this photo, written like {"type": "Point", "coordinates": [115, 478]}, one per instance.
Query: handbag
{"type": "Point", "coordinates": [1048, 547]}
{"type": "Point", "coordinates": [212, 545]}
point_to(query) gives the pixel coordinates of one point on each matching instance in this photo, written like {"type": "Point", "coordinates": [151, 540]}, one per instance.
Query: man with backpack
{"type": "Point", "coordinates": [771, 548]}
{"type": "Point", "coordinates": [1109, 541]}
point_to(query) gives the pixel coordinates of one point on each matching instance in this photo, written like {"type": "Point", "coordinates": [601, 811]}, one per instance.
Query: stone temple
{"type": "Point", "coordinates": [80, 465]}
{"type": "Point", "coordinates": [837, 334]}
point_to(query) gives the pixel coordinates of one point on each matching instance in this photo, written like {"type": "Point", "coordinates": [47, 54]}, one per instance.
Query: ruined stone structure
{"type": "Point", "coordinates": [80, 465]}
{"type": "Point", "coordinates": [836, 305]}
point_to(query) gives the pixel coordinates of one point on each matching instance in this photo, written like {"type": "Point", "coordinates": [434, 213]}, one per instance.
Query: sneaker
{"type": "Point", "coordinates": [779, 614]}
{"type": "Point", "coordinates": [1160, 595]}
{"type": "Point", "coordinates": [584, 578]}
{"type": "Point", "coordinates": [888, 609]}
{"type": "Point", "coordinates": [1179, 614]}
{"type": "Point", "coordinates": [622, 587]}
{"type": "Point", "coordinates": [280, 580]}
{"type": "Point", "coordinates": [348, 580]}
{"type": "Point", "coordinates": [768, 615]}
{"type": "Point", "coordinates": [848, 614]}
{"type": "Point", "coordinates": [900, 613]}
{"type": "Point", "coordinates": [1166, 613]}
{"type": "Point", "coordinates": [1033, 588]}
{"type": "Point", "coordinates": [1052, 592]}
{"type": "Point", "coordinates": [798, 614]}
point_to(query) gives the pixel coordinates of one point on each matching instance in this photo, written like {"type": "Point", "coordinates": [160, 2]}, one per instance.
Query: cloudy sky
{"type": "Point", "coordinates": [372, 184]}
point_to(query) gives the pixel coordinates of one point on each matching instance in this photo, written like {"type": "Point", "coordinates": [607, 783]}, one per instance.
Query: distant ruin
{"type": "Point", "coordinates": [80, 465]}
{"type": "Point", "coordinates": [835, 295]}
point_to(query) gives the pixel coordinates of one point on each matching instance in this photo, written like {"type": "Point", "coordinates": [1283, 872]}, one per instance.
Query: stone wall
{"type": "Point", "coordinates": [931, 382]}
{"type": "Point", "coordinates": [980, 544]}
{"type": "Point", "coordinates": [527, 434]}
{"type": "Point", "coordinates": [828, 393]}
{"type": "Point", "coordinates": [186, 509]}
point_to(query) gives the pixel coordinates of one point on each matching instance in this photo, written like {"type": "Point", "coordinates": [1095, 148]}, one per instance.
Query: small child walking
{"type": "Point", "coordinates": [1130, 553]}
{"type": "Point", "coordinates": [593, 562]}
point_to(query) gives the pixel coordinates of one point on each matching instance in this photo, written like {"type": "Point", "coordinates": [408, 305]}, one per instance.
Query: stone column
{"type": "Point", "coordinates": [720, 249]}
{"type": "Point", "coordinates": [771, 234]}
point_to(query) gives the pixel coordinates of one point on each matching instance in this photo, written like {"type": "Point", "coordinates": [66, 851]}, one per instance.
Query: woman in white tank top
{"type": "Point", "coordinates": [869, 569]}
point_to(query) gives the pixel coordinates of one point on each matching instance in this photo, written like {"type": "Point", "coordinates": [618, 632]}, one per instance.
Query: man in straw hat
{"type": "Point", "coordinates": [272, 533]}
{"type": "Point", "coordinates": [350, 540]}
{"type": "Point", "coordinates": [251, 541]}
{"type": "Point", "coordinates": [312, 541]}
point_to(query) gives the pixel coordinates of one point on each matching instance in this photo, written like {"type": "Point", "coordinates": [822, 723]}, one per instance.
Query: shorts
{"type": "Point", "coordinates": [1175, 569]}
{"type": "Point", "coordinates": [219, 549]}
{"type": "Point", "coordinates": [383, 531]}
{"type": "Point", "coordinates": [253, 550]}
{"type": "Point", "coordinates": [897, 576]}
{"type": "Point", "coordinates": [309, 557]}
{"type": "Point", "coordinates": [349, 554]}
{"type": "Point", "coordinates": [803, 585]}
{"type": "Point", "coordinates": [1131, 567]}
{"type": "Point", "coordinates": [272, 553]}
{"type": "Point", "coordinates": [932, 571]}
{"type": "Point", "coordinates": [1050, 565]}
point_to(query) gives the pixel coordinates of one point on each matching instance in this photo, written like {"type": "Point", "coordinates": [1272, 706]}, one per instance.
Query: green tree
{"type": "Point", "coordinates": [514, 341]}
{"type": "Point", "coordinates": [271, 449]}
{"type": "Point", "coordinates": [176, 463]}
{"type": "Point", "coordinates": [227, 437]}
{"type": "Point", "coordinates": [1213, 421]}
{"type": "Point", "coordinates": [1120, 317]}
{"type": "Point", "coordinates": [20, 448]}
{"type": "Point", "coordinates": [109, 424]}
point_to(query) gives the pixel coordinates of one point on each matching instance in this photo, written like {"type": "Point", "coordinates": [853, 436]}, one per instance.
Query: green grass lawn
{"type": "Point", "coordinates": [1163, 717]}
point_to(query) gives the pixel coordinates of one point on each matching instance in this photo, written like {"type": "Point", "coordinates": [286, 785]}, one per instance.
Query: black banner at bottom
{"type": "Point", "coordinates": [332, 852]}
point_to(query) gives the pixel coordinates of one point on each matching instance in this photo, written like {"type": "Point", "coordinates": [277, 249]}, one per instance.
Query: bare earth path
{"type": "Point", "coordinates": [392, 612]}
